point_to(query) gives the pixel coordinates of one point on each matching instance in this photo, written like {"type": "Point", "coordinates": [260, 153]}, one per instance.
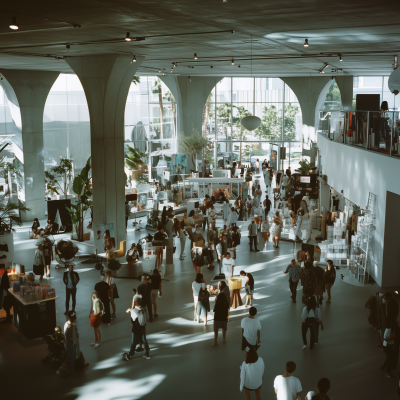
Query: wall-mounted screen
{"type": "Point", "coordinates": [305, 179]}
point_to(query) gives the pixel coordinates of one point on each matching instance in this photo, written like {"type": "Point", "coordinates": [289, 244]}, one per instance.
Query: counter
{"type": "Point", "coordinates": [34, 319]}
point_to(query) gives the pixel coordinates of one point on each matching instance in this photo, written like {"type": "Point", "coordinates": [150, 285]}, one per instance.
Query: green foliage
{"type": "Point", "coordinates": [63, 171]}
{"type": "Point", "coordinates": [114, 265]}
{"type": "Point", "coordinates": [135, 161]}
{"type": "Point", "coordinates": [333, 98]}
{"type": "Point", "coordinates": [192, 145]}
{"type": "Point", "coordinates": [305, 167]}
{"type": "Point", "coordinates": [9, 168]}
{"type": "Point", "coordinates": [82, 186]}
{"type": "Point", "coordinates": [136, 80]}
{"type": "Point", "coordinates": [271, 123]}
{"type": "Point", "coordinates": [9, 215]}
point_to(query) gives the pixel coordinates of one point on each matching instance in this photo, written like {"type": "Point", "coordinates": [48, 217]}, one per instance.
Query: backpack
{"type": "Point", "coordinates": [203, 295]}
{"type": "Point", "coordinates": [136, 327]}
{"type": "Point", "coordinates": [308, 279]}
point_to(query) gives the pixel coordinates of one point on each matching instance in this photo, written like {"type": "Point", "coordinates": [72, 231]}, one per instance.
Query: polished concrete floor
{"type": "Point", "coordinates": [183, 363]}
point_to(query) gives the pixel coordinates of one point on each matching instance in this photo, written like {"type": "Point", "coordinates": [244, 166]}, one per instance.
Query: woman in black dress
{"type": "Point", "coordinates": [48, 255]}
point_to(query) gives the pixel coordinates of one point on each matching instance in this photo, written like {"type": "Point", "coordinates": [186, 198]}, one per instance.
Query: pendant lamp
{"type": "Point", "coordinates": [251, 122]}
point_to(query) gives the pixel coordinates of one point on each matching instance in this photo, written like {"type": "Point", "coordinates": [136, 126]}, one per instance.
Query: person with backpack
{"type": "Point", "coordinates": [198, 284]}
{"type": "Point", "coordinates": [95, 315]}
{"type": "Point", "coordinates": [145, 291]}
{"type": "Point", "coordinates": [103, 289]}
{"type": "Point", "coordinates": [308, 281]}
{"type": "Point", "coordinates": [138, 319]}
{"type": "Point", "coordinates": [310, 318]}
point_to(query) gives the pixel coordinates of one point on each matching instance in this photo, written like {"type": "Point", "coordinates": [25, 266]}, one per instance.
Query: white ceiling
{"type": "Point", "coordinates": [366, 33]}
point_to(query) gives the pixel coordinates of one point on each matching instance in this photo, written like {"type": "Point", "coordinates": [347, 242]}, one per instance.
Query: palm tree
{"type": "Point", "coordinates": [157, 88]}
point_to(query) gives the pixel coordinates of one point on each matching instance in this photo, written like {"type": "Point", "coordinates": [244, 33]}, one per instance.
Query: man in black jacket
{"type": "Point", "coordinates": [145, 291]}
{"type": "Point", "coordinates": [102, 288]}
{"type": "Point", "coordinates": [70, 279]}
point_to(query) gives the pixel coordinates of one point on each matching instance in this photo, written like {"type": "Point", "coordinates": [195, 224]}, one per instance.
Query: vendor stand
{"type": "Point", "coordinates": [34, 319]}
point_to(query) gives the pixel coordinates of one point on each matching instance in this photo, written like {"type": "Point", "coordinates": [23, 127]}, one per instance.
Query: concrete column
{"type": "Point", "coordinates": [28, 90]}
{"type": "Point", "coordinates": [345, 84]}
{"type": "Point", "coordinates": [190, 96]}
{"type": "Point", "coordinates": [106, 80]}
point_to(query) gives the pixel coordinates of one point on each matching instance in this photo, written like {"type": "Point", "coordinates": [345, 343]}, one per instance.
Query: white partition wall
{"type": "Point", "coordinates": [358, 172]}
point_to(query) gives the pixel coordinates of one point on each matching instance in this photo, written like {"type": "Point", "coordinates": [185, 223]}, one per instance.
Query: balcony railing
{"type": "Point", "coordinates": [373, 130]}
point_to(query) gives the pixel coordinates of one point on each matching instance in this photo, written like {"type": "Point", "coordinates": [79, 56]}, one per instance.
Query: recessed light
{"type": "Point", "coordinates": [14, 26]}
{"type": "Point", "coordinates": [306, 43]}
{"type": "Point", "coordinates": [128, 37]}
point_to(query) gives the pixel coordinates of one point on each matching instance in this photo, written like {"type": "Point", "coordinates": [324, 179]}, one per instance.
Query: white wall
{"type": "Point", "coordinates": [358, 172]}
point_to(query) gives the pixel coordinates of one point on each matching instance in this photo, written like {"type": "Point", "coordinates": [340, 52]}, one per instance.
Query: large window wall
{"type": "Point", "coordinates": [267, 98]}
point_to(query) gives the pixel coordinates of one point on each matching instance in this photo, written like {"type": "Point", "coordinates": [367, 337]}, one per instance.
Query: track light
{"type": "Point", "coordinates": [134, 58]}
{"type": "Point", "coordinates": [128, 37]}
{"type": "Point", "coordinates": [14, 26]}
{"type": "Point", "coordinates": [233, 62]}
{"type": "Point", "coordinates": [306, 43]}
{"type": "Point", "coordinates": [340, 57]}
{"type": "Point", "coordinates": [68, 46]}
{"type": "Point", "coordinates": [195, 56]}
{"type": "Point", "coordinates": [321, 70]}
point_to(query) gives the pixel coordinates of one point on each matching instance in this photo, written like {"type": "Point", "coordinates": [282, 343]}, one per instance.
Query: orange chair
{"type": "Point", "coordinates": [121, 251]}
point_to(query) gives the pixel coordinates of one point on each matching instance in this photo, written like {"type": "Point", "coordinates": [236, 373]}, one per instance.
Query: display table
{"type": "Point", "coordinates": [34, 319]}
{"type": "Point", "coordinates": [235, 284]}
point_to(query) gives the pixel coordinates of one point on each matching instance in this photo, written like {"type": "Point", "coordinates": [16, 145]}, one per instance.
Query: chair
{"type": "Point", "coordinates": [121, 251]}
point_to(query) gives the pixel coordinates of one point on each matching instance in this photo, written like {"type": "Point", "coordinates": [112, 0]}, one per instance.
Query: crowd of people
{"type": "Point", "coordinates": [207, 240]}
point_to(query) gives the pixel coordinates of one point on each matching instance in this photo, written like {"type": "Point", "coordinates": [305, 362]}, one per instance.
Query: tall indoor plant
{"type": "Point", "coordinates": [192, 145]}
{"type": "Point", "coordinates": [10, 214]}
{"type": "Point", "coordinates": [82, 186]}
{"type": "Point", "coordinates": [135, 161]}
{"type": "Point", "coordinates": [63, 171]}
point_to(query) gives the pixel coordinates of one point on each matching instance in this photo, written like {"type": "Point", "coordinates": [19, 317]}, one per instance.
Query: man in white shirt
{"type": "Point", "coordinates": [251, 330]}
{"type": "Point", "coordinates": [228, 265]}
{"type": "Point", "coordinates": [138, 319]}
{"type": "Point", "coordinates": [288, 387]}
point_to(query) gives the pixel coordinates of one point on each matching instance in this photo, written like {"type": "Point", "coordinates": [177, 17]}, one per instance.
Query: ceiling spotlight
{"type": "Point", "coordinates": [395, 64]}
{"type": "Point", "coordinates": [233, 62]}
{"type": "Point", "coordinates": [14, 26]}
{"type": "Point", "coordinates": [190, 80]}
{"type": "Point", "coordinates": [163, 74]}
{"type": "Point", "coordinates": [211, 66]}
{"type": "Point", "coordinates": [306, 43]}
{"type": "Point", "coordinates": [68, 46]}
{"type": "Point", "coordinates": [159, 71]}
{"type": "Point", "coordinates": [172, 70]}
{"type": "Point", "coordinates": [238, 66]}
{"type": "Point", "coordinates": [321, 70]}
{"type": "Point", "coordinates": [195, 56]}
{"type": "Point", "coordinates": [340, 57]}
{"type": "Point", "coordinates": [128, 37]}
{"type": "Point", "coordinates": [134, 58]}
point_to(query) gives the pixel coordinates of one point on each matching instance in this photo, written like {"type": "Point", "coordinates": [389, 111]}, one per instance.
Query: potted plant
{"type": "Point", "coordinates": [135, 160]}
{"type": "Point", "coordinates": [305, 167]}
{"type": "Point", "coordinates": [193, 145]}
{"type": "Point", "coordinates": [63, 171]}
{"type": "Point", "coordinates": [83, 188]}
